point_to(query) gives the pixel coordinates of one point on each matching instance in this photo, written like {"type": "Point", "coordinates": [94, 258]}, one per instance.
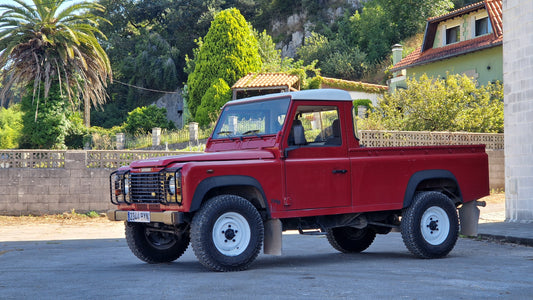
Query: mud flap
{"type": "Point", "coordinates": [273, 233]}
{"type": "Point", "coordinates": [469, 218]}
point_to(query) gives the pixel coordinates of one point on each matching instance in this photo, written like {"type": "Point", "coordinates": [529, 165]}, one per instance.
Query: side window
{"type": "Point", "coordinates": [316, 126]}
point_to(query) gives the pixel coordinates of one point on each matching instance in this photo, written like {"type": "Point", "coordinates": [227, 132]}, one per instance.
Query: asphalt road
{"type": "Point", "coordinates": [309, 269]}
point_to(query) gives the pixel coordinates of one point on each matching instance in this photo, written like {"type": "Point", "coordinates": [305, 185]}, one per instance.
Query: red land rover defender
{"type": "Point", "coordinates": [293, 161]}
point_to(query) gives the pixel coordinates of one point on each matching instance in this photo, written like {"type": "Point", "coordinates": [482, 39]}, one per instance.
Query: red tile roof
{"type": "Point", "coordinates": [262, 80]}
{"type": "Point", "coordinates": [427, 54]}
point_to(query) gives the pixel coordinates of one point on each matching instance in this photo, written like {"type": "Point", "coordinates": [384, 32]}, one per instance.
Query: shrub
{"type": "Point", "coordinates": [45, 120]}
{"type": "Point", "coordinates": [451, 104]}
{"type": "Point", "coordinates": [143, 119]}
{"type": "Point", "coordinates": [10, 127]}
{"type": "Point", "coordinates": [362, 102]}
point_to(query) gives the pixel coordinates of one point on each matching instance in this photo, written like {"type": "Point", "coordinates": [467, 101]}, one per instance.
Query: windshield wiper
{"type": "Point", "coordinates": [254, 132]}
{"type": "Point", "coordinates": [228, 133]}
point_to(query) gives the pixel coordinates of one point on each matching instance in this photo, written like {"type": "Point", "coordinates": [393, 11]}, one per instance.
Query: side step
{"type": "Point", "coordinates": [311, 232]}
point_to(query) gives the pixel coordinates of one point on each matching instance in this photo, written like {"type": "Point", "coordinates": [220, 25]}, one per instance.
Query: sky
{"type": "Point", "coordinates": [31, 2]}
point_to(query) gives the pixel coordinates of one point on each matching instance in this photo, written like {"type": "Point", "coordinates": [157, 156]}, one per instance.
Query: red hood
{"type": "Point", "coordinates": [217, 156]}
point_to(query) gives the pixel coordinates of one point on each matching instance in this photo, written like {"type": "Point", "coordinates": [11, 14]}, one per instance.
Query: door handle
{"type": "Point", "coordinates": [340, 171]}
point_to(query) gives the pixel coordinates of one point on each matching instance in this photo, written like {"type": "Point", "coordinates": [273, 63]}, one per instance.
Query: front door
{"type": "Point", "coordinates": [317, 168]}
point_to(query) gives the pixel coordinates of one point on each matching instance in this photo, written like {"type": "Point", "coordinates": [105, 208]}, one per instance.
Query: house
{"type": "Point", "coordinates": [264, 83]}
{"type": "Point", "coordinates": [465, 41]}
{"type": "Point", "coordinates": [255, 84]}
{"type": "Point", "coordinates": [357, 90]}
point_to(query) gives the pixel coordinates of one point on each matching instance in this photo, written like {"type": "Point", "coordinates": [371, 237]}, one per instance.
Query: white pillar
{"type": "Point", "coordinates": [518, 89]}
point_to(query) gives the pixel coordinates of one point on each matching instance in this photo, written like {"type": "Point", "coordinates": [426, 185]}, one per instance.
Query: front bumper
{"type": "Point", "coordinates": [165, 217]}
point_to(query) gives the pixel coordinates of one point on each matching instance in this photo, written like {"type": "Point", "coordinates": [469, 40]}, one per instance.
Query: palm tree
{"type": "Point", "coordinates": [43, 44]}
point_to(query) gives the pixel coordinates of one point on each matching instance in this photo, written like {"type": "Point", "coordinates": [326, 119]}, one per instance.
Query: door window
{"type": "Point", "coordinates": [316, 126]}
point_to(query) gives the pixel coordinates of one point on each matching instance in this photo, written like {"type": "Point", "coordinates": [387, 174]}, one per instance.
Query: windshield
{"type": "Point", "coordinates": [253, 118]}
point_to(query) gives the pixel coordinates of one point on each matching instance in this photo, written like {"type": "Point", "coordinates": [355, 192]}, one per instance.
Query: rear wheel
{"type": "Point", "coordinates": [154, 244]}
{"type": "Point", "coordinates": [227, 233]}
{"type": "Point", "coordinates": [349, 239]}
{"type": "Point", "coordinates": [430, 226]}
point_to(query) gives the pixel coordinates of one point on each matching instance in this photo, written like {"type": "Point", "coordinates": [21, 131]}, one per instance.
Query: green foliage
{"type": "Point", "coordinates": [50, 41]}
{"type": "Point", "coordinates": [362, 102]}
{"type": "Point", "coordinates": [451, 104]}
{"type": "Point", "coordinates": [10, 126]}
{"type": "Point", "coordinates": [229, 51]}
{"type": "Point", "coordinates": [270, 56]}
{"type": "Point", "coordinates": [336, 59]}
{"type": "Point", "coordinates": [216, 96]}
{"type": "Point", "coordinates": [77, 133]}
{"type": "Point", "coordinates": [273, 62]}
{"type": "Point", "coordinates": [143, 119]}
{"type": "Point", "coordinates": [383, 23]}
{"type": "Point", "coordinates": [48, 129]}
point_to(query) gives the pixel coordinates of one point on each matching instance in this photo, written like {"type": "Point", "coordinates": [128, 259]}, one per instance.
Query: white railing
{"type": "Point", "coordinates": [384, 138]}
{"type": "Point", "coordinates": [36, 159]}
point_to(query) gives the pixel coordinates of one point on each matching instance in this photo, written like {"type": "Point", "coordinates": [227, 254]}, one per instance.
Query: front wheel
{"type": "Point", "coordinates": [430, 226]}
{"type": "Point", "coordinates": [227, 233]}
{"type": "Point", "coordinates": [156, 245]}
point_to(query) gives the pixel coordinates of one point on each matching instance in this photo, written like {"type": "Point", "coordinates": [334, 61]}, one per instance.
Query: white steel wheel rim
{"type": "Point", "coordinates": [435, 225]}
{"type": "Point", "coordinates": [231, 234]}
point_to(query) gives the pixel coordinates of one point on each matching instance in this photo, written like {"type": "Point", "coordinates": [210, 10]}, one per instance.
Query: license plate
{"type": "Point", "coordinates": [139, 216]}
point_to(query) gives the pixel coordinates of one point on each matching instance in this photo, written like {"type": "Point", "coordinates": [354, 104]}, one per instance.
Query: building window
{"type": "Point", "coordinates": [452, 35]}
{"type": "Point", "coordinates": [483, 26]}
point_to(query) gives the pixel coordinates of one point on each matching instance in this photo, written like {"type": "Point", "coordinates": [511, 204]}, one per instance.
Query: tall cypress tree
{"type": "Point", "coordinates": [228, 52]}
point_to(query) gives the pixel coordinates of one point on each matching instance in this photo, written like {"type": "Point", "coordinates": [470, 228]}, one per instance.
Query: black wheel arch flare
{"type": "Point", "coordinates": [226, 181]}
{"type": "Point", "coordinates": [427, 175]}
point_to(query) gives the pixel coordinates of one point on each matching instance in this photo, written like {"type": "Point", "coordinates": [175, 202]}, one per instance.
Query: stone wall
{"type": "Point", "coordinates": [518, 90]}
{"type": "Point", "coordinates": [49, 182]}
{"type": "Point", "coordinates": [496, 170]}
{"type": "Point", "coordinates": [55, 190]}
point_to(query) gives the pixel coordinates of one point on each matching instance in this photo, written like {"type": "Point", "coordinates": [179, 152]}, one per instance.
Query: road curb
{"type": "Point", "coordinates": [507, 239]}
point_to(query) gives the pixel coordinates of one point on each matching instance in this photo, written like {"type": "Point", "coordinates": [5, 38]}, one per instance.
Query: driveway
{"type": "Point", "coordinates": [308, 269]}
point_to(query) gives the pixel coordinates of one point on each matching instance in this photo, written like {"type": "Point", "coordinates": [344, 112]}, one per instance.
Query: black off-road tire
{"type": "Point", "coordinates": [155, 247]}
{"type": "Point", "coordinates": [430, 226]}
{"type": "Point", "coordinates": [227, 233]}
{"type": "Point", "coordinates": [349, 239]}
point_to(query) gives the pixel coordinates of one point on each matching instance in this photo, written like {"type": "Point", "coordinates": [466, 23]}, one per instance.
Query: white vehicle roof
{"type": "Point", "coordinates": [317, 94]}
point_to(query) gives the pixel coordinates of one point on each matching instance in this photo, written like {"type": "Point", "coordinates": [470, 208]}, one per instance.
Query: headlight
{"type": "Point", "coordinates": [126, 185]}
{"type": "Point", "coordinates": [172, 185]}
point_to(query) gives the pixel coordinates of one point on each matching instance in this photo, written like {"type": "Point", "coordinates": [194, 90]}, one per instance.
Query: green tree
{"type": "Point", "coordinates": [434, 104]}
{"type": "Point", "coordinates": [48, 129]}
{"type": "Point", "coordinates": [229, 51]}
{"type": "Point", "coordinates": [215, 97]}
{"type": "Point", "coordinates": [10, 126]}
{"type": "Point", "coordinates": [42, 43]}
{"type": "Point", "coordinates": [383, 23]}
{"type": "Point", "coordinates": [143, 119]}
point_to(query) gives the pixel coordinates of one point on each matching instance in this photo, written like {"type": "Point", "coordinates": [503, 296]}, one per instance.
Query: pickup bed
{"type": "Point", "coordinates": [293, 161]}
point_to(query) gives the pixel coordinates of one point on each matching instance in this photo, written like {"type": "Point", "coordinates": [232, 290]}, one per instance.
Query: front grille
{"type": "Point", "coordinates": [146, 188]}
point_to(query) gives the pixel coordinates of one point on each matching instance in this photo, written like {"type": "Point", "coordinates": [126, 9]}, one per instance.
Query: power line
{"type": "Point", "coordinates": [145, 89]}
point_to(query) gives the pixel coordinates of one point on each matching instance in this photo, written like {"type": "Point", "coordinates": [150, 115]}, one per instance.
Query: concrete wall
{"type": "Point", "coordinates": [518, 89]}
{"type": "Point", "coordinates": [75, 186]}
{"type": "Point", "coordinates": [496, 169]}
{"type": "Point", "coordinates": [55, 190]}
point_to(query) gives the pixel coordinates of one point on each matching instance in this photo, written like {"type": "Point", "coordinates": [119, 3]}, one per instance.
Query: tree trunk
{"type": "Point", "coordinates": [87, 114]}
